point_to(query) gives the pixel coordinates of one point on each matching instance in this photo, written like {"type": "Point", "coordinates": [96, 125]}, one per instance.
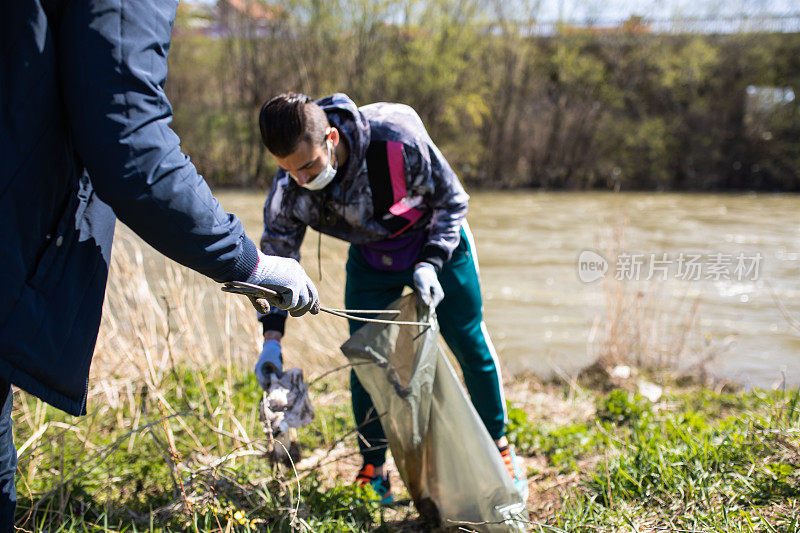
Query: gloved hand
{"type": "Point", "coordinates": [427, 284]}
{"type": "Point", "coordinates": [269, 362]}
{"type": "Point", "coordinates": [296, 292]}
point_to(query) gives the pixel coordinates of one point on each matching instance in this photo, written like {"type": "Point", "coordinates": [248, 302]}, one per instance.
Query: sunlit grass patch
{"type": "Point", "coordinates": [677, 468]}
{"type": "Point", "coordinates": [190, 455]}
{"type": "Point", "coordinates": [562, 446]}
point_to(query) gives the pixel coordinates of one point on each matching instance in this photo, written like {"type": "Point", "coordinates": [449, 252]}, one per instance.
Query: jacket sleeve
{"type": "Point", "coordinates": [113, 62]}
{"type": "Point", "coordinates": [283, 235]}
{"type": "Point", "coordinates": [449, 201]}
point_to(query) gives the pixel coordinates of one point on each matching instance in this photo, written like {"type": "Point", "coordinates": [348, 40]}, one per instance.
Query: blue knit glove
{"type": "Point", "coordinates": [269, 362]}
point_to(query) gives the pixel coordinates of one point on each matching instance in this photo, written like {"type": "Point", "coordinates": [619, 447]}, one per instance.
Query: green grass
{"type": "Point", "coordinates": [116, 469]}
{"type": "Point", "coordinates": [695, 461]}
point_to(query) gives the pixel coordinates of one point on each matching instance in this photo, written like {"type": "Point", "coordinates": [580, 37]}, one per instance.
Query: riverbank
{"type": "Point", "coordinates": [172, 441]}
{"type": "Point", "coordinates": [189, 454]}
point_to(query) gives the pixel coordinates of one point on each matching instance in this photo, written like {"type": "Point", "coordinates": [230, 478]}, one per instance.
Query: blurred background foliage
{"type": "Point", "coordinates": [576, 107]}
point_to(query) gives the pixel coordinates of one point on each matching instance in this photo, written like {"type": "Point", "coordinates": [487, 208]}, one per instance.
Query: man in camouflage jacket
{"type": "Point", "coordinates": [373, 177]}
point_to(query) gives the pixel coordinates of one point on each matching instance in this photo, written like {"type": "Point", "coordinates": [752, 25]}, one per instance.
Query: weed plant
{"type": "Point", "coordinates": [696, 461]}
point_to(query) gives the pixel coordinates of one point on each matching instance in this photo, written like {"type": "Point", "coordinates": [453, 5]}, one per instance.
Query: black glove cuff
{"type": "Point", "coordinates": [275, 320]}
{"type": "Point", "coordinates": [245, 264]}
{"type": "Point", "coordinates": [435, 255]}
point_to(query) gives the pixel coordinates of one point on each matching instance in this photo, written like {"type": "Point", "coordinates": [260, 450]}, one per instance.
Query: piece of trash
{"type": "Point", "coordinates": [285, 405]}
{"type": "Point", "coordinates": [651, 391]}
{"type": "Point", "coordinates": [621, 372]}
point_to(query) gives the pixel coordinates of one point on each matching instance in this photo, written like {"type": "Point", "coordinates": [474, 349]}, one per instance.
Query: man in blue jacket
{"type": "Point", "coordinates": [84, 136]}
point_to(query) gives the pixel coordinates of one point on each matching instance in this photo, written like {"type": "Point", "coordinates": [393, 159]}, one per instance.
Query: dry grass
{"type": "Point", "coordinates": [650, 325]}
{"type": "Point", "coordinates": [173, 441]}
{"type": "Point", "coordinates": [172, 436]}
{"type": "Point", "coordinates": [156, 311]}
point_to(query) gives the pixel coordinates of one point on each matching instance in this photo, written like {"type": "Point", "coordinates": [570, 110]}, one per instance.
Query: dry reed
{"type": "Point", "coordinates": [165, 330]}
{"type": "Point", "coordinates": [652, 325]}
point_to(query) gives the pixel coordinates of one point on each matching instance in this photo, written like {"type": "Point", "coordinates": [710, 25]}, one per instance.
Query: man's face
{"type": "Point", "coordinates": [307, 161]}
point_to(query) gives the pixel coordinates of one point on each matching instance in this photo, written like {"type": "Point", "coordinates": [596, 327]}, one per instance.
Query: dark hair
{"type": "Point", "coordinates": [289, 118]}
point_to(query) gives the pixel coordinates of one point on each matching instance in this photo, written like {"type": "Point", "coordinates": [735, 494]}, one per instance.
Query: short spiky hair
{"type": "Point", "coordinates": [289, 118]}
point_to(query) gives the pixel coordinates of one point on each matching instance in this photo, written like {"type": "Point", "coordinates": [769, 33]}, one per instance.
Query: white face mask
{"type": "Point", "coordinates": [325, 176]}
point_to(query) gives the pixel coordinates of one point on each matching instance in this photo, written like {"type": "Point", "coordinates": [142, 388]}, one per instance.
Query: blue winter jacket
{"type": "Point", "coordinates": [84, 136]}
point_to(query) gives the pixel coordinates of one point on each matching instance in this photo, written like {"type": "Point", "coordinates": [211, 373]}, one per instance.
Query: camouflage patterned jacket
{"type": "Point", "coordinates": [394, 184]}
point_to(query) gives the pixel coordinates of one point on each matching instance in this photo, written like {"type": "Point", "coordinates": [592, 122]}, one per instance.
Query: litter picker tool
{"type": "Point", "coordinates": [261, 298]}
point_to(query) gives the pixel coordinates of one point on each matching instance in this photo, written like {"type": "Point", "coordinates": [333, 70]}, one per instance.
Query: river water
{"type": "Point", "coordinates": [731, 258]}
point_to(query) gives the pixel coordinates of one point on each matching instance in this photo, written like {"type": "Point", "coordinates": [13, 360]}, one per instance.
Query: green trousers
{"type": "Point", "coordinates": [460, 316]}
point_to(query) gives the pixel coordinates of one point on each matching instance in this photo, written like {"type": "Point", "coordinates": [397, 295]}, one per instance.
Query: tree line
{"type": "Point", "coordinates": [580, 109]}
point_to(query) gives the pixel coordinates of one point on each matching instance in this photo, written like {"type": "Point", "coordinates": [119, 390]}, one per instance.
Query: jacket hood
{"type": "Point", "coordinates": [343, 114]}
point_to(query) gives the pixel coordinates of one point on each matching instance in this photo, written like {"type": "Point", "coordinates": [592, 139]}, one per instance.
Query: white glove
{"type": "Point", "coordinates": [296, 292]}
{"type": "Point", "coordinates": [269, 362]}
{"type": "Point", "coordinates": [427, 284]}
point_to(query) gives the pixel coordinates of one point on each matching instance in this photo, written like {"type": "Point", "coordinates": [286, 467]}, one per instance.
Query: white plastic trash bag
{"type": "Point", "coordinates": [442, 450]}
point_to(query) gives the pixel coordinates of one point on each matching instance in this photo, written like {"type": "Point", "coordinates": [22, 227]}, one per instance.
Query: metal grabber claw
{"type": "Point", "coordinates": [259, 296]}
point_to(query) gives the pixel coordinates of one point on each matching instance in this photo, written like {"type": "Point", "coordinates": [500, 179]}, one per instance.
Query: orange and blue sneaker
{"type": "Point", "coordinates": [514, 466]}
{"type": "Point", "coordinates": [380, 484]}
